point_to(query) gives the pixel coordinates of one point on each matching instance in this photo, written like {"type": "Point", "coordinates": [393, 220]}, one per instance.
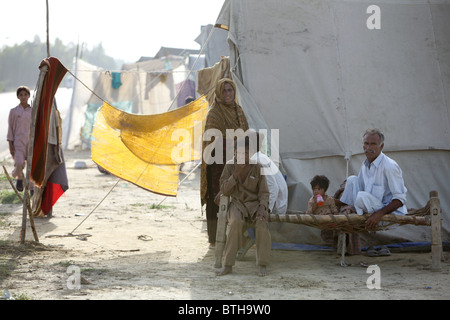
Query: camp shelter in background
{"type": "Point", "coordinates": [162, 78]}
{"type": "Point", "coordinates": [149, 86]}
{"type": "Point", "coordinates": [318, 73]}
{"type": "Point", "coordinates": [88, 75]}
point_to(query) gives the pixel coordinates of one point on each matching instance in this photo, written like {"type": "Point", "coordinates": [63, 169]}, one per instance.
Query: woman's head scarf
{"type": "Point", "coordinates": [219, 91]}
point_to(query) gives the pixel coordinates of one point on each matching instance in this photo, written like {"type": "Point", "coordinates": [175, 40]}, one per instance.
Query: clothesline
{"type": "Point", "coordinates": [130, 71]}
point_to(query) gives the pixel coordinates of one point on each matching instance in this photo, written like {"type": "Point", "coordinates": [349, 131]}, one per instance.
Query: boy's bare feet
{"type": "Point", "coordinates": [225, 270]}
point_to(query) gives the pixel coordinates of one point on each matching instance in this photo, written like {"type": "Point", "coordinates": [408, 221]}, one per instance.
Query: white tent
{"type": "Point", "coordinates": [73, 121]}
{"type": "Point", "coordinates": [324, 71]}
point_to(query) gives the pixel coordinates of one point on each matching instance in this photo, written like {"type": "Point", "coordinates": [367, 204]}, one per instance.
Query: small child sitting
{"type": "Point", "coordinates": [319, 185]}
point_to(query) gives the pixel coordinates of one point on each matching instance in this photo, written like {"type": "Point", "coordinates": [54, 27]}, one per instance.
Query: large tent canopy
{"type": "Point", "coordinates": [323, 71]}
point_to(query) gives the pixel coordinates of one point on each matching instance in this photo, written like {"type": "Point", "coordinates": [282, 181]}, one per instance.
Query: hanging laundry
{"type": "Point", "coordinates": [116, 82]}
{"type": "Point", "coordinates": [48, 169]}
{"type": "Point", "coordinates": [44, 108]}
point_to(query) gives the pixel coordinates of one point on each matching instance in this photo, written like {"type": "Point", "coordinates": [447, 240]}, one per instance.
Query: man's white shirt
{"type": "Point", "coordinates": [276, 183]}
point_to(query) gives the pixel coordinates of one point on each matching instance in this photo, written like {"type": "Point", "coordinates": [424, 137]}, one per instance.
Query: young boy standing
{"type": "Point", "coordinates": [19, 122]}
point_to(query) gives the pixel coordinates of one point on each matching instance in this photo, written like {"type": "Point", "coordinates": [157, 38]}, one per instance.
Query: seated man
{"type": "Point", "coordinates": [249, 201]}
{"type": "Point", "coordinates": [379, 188]}
{"type": "Point", "coordinates": [278, 200]}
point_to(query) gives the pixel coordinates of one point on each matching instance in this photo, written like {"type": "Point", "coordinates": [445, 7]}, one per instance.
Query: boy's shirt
{"type": "Point", "coordinates": [19, 122]}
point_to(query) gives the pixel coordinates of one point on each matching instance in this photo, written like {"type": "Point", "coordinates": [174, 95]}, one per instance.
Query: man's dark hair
{"type": "Point", "coordinates": [321, 181]}
{"type": "Point", "coordinates": [188, 100]}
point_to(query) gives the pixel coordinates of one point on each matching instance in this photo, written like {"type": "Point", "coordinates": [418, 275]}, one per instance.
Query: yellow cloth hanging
{"type": "Point", "coordinates": [147, 149]}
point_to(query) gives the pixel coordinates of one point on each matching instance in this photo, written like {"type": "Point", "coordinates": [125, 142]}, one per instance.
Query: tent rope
{"type": "Point", "coordinates": [103, 100]}
{"type": "Point", "coordinates": [92, 211]}
{"type": "Point", "coordinates": [92, 91]}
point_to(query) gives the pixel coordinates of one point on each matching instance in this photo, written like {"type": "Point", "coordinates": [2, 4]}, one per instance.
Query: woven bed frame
{"type": "Point", "coordinates": [430, 215]}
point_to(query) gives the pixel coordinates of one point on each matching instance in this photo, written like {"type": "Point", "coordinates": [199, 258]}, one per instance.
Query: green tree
{"type": "Point", "coordinates": [19, 63]}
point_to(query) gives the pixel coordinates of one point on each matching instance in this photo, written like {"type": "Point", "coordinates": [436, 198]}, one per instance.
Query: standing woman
{"type": "Point", "coordinates": [224, 114]}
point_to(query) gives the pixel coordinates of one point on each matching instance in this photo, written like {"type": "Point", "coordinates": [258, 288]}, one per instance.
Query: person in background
{"type": "Point", "coordinates": [188, 100]}
{"type": "Point", "coordinates": [278, 201]}
{"type": "Point", "coordinates": [19, 122]}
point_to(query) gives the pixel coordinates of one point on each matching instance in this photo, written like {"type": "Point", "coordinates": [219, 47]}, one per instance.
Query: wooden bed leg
{"type": "Point", "coordinates": [342, 245]}
{"type": "Point", "coordinates": [221, 230]}
{"type": "Point", "coordinates": [436, 235]}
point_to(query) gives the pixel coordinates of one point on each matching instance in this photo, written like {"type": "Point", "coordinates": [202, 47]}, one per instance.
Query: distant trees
{"type": "Point", "coordinates": [19, 63]}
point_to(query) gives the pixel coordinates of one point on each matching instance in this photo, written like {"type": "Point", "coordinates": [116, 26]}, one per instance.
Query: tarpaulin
{"type": "Point", "coordinates": [147, 149]}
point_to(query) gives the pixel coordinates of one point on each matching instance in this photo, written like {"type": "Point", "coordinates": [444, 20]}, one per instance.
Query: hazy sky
{"type": "Point", "coordinates": [127, 29]}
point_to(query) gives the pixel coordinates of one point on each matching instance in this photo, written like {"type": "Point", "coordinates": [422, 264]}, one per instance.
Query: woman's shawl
{"type": "Point", "coordinates": [221, 116]}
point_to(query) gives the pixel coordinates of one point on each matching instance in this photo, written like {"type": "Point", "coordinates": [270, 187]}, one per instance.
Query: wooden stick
{"type": "Point", "coordinates": [311, 219]}
{"type": "Point", "coordinates": [33, 228]}
{"type": "Point", "coordinates": [12, 184]}
{"type": "Point", "coordinates": [26, 201]}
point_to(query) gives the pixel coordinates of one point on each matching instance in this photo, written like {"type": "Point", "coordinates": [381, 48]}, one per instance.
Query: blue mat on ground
{"type": "Point", "coordinates": [310, 247]}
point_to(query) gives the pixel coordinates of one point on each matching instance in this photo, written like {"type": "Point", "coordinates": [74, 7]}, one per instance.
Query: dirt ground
{"type": "Point", "coordinates": [131, 248]}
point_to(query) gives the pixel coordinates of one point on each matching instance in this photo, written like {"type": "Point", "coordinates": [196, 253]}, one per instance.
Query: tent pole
{"type": "Point", "coordinates": [48, 35]}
